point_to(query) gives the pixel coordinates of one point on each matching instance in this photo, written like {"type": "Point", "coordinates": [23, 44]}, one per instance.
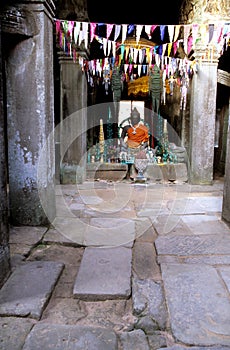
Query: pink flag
{"type": "Point", "coordinates": [70, 27]}
{"type": "Point", "coordinates": [109, 30]}
{"type": "Point", "coordinates": [58, 26]}
{"type": "Point", "coordinates": [92, 31]}
{"type": "Point", "coordinates": [153, 27]}
{"type": "Point", "coordinates": [175, 45]}
{"type": "Point", "coordinates": [190, 43]}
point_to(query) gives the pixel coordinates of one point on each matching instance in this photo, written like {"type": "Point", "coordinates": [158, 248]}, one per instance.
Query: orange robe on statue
{"type": "Point", "coordinates": [137, 135]}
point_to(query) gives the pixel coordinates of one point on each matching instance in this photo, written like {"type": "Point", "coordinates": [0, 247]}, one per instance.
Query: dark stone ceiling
{"type": "Point", "coordinates": [124, 12]}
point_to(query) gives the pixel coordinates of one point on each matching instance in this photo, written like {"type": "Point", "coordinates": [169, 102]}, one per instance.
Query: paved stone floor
{"type": "Point", "coordinates": [123, 266]}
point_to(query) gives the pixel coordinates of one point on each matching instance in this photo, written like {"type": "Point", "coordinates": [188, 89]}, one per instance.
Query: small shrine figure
{"type": "Point", "coordinates": [155, 87]}
{"type": "Point", "coordinates": [116, 85]}
{"type": "Point", "coordinates": [106, 79]}
{"type": "Point", "coordinates": [183, 91]}
{"type": "Point", "coordinates": [164, 81]}
{"type": "Point", "coordinates": [171, 84]}
{"type": "Point", "coordinates": [134, 137]}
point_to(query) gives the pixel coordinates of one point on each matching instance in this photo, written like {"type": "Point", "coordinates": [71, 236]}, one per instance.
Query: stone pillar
{"type": "Point", "coordinates": [226, 195]}
{"type": "Point", "coordinates": [73, 121]}
{"type": "Point", "coordinates": [4, 228]}
{"type": "Point", "coordinates": [30, 115]}
{"type": "Point", "coordinates": [202, 119]}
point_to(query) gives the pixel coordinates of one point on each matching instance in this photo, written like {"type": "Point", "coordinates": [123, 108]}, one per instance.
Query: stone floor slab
{"type": "Point", "coordinates": [181, 347]}
{"type": "Point", "coordinates": [135, 340]}
{"type": "Point", "coordinates": [199, 305]}
{"type": "Point", "coordinates": [104, 273]}
{"type": "Point", "coordinates": [205, 224]}
{"type": "Point", "coordinates": [196, 205]}
{"type": "Point", "coordinates": [225, 274]}
{"type": "Point", "coordinates": [172, 224]}
{"type": "Point", "coordinates": [193, 245]}
{"type": "Point", "coordinates": [145, 261]}
{"type": "Point", "coordinates": [13, 332]}
{"type": "Point", "coordinates": [110, 232]}
{"type": "Point", "coordinates": [29, 235]}
{"type": "Point", "coordinates": [28, 289]}
{"type": "Point", "coordinates": [103, 231]}
{"type": "Point", "coordinates": [61, 337]}
{"type": "Point", "coordinates": [54, 236]}
{"type": "Point", "coordinates": [23, 238]}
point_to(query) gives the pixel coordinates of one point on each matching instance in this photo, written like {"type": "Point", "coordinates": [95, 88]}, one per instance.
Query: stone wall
{"type": "Point", "coordinates": [204, 11]}
{"type": "Point", "coordinates": [4, 228]}
{"type": "Point", "coordinates": [28, 50]}
{"type": "Point", "coordinates": [72, 10]}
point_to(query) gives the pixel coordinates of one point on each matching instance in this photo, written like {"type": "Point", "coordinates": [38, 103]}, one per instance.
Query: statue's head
{"type": "Point", "coordinates": [135, 116]}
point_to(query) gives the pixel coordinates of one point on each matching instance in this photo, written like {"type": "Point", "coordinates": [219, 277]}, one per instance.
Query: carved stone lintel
{"type": "Point", "coordinates": [16, 20]}
{"type": "Point", "coordinates": [20, 19]}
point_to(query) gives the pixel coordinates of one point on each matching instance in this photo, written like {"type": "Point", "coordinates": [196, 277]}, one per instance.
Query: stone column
{"type": "Point", "coordinates": [4, 228]}
{"type": "Point", "coordinates": [73, 126]}
{"type": "Point", "coordinates": [202, 119]}
{"type": "Point", "coordinates": [30, 114]}
{"type": "Point", "coordinates": [226, 195]}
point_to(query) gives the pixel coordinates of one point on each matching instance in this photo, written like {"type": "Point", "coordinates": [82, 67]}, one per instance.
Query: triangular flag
{"type": "Point", "coordinates": [169, 48]}
{"type": "Point", "coordinates": [195, 28]}
{"type": "Point", "coordinates": [109, 46]}
{"type": "Point", "coordinates": [187, 29]}
{"type": "Point", "coordinates": [140, 55]}
{"type": "Point", "coordinates": [153, 27]}
{"type": "Point", "coordinates": [117, 31]}
{"type": "Point", "coordinates": [219, 32]}
{"type": "Point", "coordinates": [175, 45]}
{"type": "Point", "coordinates": [76, 31]}
{"type": "Point", "coordinates": [122, 47]}
{"type": "Point", "coordinates": [105, 46]}
{"type": "Point", "coordinates": [139, 69]}
{"type": "Point", "coordinates": [114, 48]}
{"type": "Point", "coordinates": [171, 32]}
{"type": "Point", "coordinates": [109, 28]}
{"type": "Point", "coordinates": [85, 33]}
{"type": "Point", "coordinates": [70, 27]}
{"type": "Point", "coordinates": [92, 30]}
{"type": "Point", "coordinates": [131, 28]}
{"type": "Point", "coordinates": [164, 49]}
{"type": "Point", "coordinates": [131, 52]}
{"type": "Point", "coordinates": [211, 32]}
{"type": "Point", "coordinates": [204, 33]}
{"type": "Point", "coordinates": [80, 37]}
{"type": "Point", "coordinates": [124, 32]}
{"type": "Point", "coordinates": [138, 32]}
{"type": "Point", "coordinates": [126, 51]}
{"type": "Point", "coordinates": [58, 26]}
{"type": "Point", "coordinates": [135, 53]}
{"type": "Point", "coordinates": [65, 26]}
{"type": "Point", "coordinates": [148, 30]}
{"type": "Point", "coordinates": [157, 60]}
{"type": "Point", "coordinates": [190, 43]}
{"type": "Point", "coordinates": [162, 31]}
{"type": "Point", "coordinates": [176, 32]}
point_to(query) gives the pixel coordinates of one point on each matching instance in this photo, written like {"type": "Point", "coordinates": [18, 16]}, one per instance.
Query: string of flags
{"type": "Point", "coordinates": [164, 40]}
{"type": "Point", "coordinates": [170, 47]}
